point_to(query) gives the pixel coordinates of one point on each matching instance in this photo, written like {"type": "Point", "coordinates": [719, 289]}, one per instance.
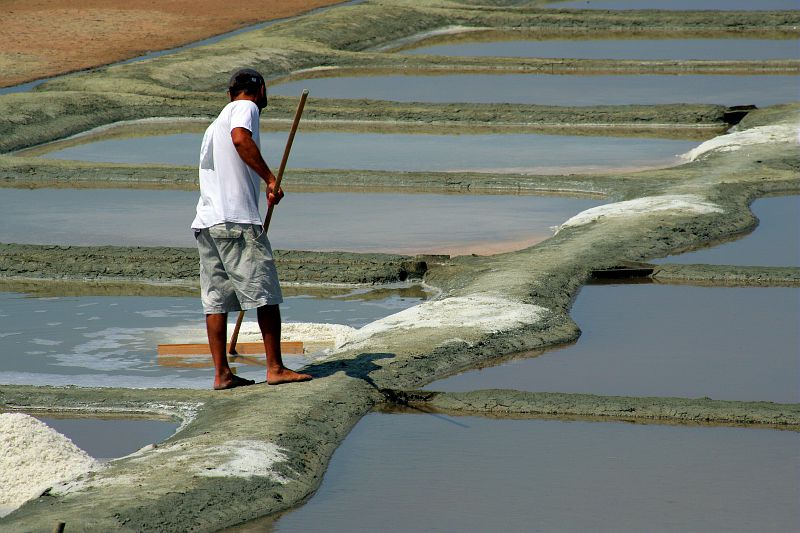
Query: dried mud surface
{"type": "Point", "coordinates": [88, 33]}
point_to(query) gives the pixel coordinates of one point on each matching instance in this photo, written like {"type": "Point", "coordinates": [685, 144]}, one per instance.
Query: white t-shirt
{"type": "Point", "coordinates": [229, 188]}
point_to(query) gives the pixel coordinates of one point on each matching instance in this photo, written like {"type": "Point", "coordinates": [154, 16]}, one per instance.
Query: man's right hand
{"type": "Point", "coordinates": [274, 197]}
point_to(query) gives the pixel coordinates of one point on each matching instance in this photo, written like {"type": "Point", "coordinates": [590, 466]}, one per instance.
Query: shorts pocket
{"type": "Point", "coordinates": [225, 231]}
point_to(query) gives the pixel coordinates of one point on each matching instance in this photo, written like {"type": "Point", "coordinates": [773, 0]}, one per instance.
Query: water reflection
{"type": "Point", "coordinates": [653, 340]}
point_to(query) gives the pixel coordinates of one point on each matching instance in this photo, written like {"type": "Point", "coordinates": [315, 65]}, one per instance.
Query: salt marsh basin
{"type": "Point", "coordinates": [550, 476]}
{"type": "Point", "coordinates": [528, 153]}
{"type": "Point", "coordinates": [730, 49]}
{"type": "Point", "coordinates": [546, 89]}
{"type": "Point", "coordinates": [111, 341]}
{"type": "Point", "coordinates": [775, 242]}
{"type": "Point", "coordinates": [734, 344]}
{"type": "Point", "coordinates": [399, 223]}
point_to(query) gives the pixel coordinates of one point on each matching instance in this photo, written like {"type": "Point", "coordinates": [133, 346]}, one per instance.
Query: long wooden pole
{"type": "Point", "coordinates": [270, 207]}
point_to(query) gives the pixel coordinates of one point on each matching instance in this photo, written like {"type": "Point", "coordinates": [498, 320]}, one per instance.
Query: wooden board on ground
{"type": "Point", "coordinates": [243, 348]}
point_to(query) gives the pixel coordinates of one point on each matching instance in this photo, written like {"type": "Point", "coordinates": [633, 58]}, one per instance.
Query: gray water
{"type": "Point", "coordinates": [109, 438]}
{"type": "Point", "coordinates": [111, 341]}
{"type": "Point", "coordinates": [560, 90]}
{"type": "Point", "coordinates": [713, 49]}
{"type": "Point", "coordinates": [775, 242]}
{"type": "Point", "coordinates": [655, 340]}
{"type": "Point", "coordinates": [359, 222]}
{"type": "Point", "coordinates": [404, 472]}
{"type": "Point", "coordinates": [681, 5]}
{"type": "Point", "coordinates": [531, 153]}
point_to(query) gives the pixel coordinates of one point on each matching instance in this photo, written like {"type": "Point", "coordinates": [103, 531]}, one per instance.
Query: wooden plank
{"type": "Point", "coordinates": [244, 348]}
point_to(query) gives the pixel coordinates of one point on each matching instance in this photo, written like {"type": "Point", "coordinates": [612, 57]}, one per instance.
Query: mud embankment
{"type": "Point", "coordinates": [178, 266]}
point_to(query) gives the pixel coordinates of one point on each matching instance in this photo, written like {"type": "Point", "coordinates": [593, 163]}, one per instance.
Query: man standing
{"type": "Point", "coordinates": [237, 271]}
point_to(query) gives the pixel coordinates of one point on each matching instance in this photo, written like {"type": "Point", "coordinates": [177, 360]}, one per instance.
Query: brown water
{"type": "Point", "coordinates": [655, 340]}
{"type": "Point", "coordinates": [405, 472]}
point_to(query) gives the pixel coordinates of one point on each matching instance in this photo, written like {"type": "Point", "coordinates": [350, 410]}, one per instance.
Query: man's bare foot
{"type": "Point", "coordinates": [284, 375]}
{"type": "Point", "coordinates": [232, 383]}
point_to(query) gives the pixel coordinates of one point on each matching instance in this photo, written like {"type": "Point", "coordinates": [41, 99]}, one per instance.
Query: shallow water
{"type": "Point", "coordinates": [656, 340]}
{"type": "Point", "coordinates": [719, 49]}
{"type": "Point", "coordinates": [775, 242]}
{"type": "Point", "coordinates": [531, 153]}
{"type": "Point", "coordinates": [109, 438]}
{"type": "Point", "coordinates": [359, 222]}
{"type": "Point", "coordinates": [404, 472]}
{"type": "Point", "coordinates": [564, 90]}
{"type": "Point", "coordinates": [681, 5]}
{"type": "Point", "coordinates": [111, 341]}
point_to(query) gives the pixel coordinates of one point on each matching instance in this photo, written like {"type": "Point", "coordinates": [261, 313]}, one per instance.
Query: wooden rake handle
{"type": "Point", "coordinates": [270, 207]}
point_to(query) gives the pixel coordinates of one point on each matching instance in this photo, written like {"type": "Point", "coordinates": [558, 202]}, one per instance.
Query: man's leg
{"type": "Point", "coordinates": [269, 320]}
{"type": "Point", "coordinates": [217, 328]}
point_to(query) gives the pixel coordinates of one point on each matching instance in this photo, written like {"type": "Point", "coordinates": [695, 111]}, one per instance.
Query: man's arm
{"type": "Point", "coordinates": [251, 155]}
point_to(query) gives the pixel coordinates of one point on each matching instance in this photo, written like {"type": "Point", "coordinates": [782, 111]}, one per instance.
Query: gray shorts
{"type": "Point", "coordinates": [237, 271]}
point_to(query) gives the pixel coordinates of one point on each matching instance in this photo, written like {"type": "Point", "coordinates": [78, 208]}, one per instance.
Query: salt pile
{"type": "Point", "coordinates": [33, 457]}
{"type": "Point", "coordinates": [775, 133]}
{"type": "Point", "coordinates": [681, 203]}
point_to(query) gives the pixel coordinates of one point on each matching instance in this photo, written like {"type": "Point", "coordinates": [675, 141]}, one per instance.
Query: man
{"type": "Point", "coordinates": [237, 270]}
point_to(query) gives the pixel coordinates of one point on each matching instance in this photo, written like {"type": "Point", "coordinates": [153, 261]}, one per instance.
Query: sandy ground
{"type": "Point", "coordinates": [43, 38]}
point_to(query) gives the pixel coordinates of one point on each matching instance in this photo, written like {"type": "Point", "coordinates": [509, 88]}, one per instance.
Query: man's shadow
{"type": "Point", "coordinates": [359, 367]}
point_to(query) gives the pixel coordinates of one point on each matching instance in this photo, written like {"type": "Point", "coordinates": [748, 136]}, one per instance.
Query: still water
{"type": "Point", "coordinates": [565, 90]}
{"type": "Point", "coordinates": [109, 438]}
{"type": "Point", "coordinates": [529, 153]}
{"type": "Point", "coordinates": [406, 472]}
{"type": "Point", "coordinates": [681, 5]}
{"type": "Point", "coordinates": [656, 340]}
{"type": "Point", "coordinates": [718, 49]}
{"type": "Point", "coordinates": [104, 341]}
{"type": "Point", "coordinates": [358, 222]}
{"type": "Point", "coordinates": [775, 242]}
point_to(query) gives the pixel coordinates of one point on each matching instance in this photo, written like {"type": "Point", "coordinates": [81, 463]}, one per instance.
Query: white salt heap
{"type": "Point", "coordinates": [682, 203]}
{"type": "Point", "coordinates": [479, 313]}
{"type": "Point", "coordinates": [33, 457]}
{"type": "Point", "coordinates": [775, 133]}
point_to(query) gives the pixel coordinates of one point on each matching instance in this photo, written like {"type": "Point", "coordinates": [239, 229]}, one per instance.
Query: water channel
{"type": "Point", "coordinates": [675, 49]}
{"type": "Point", "coordinates": [359, 222]}
{"type": "Point", "coordinates": [111, 341]}
{"type": "Point", "coordinates": [668, 341]}
{"type": "Point", "coordinates": [774, 243]}
{"type": "Point", "coordinates": [558, 90]}
{"type": "Point", "coordinates": [413, 472]}
{"type": "Point", "coordinates": [527, 153]}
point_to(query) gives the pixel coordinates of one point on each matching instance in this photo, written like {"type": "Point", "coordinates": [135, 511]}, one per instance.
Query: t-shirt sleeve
{"type": "Point", "coordinates": [244, 114]}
